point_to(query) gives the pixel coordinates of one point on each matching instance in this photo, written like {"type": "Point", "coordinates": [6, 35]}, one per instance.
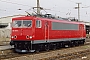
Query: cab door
{"type": "Point", "coordinates": [81, 30]}
{"type": "Point", "coordinates": [46, 31]}
{"type": "Point", "coordinates": [38, 30]}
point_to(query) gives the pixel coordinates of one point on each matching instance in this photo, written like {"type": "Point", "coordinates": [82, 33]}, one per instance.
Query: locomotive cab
{"type": "Point", "coordinates": [22, 34]}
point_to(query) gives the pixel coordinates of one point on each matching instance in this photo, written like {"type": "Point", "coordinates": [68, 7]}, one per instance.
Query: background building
{"type": "Point", "coordinates": [5, 27]}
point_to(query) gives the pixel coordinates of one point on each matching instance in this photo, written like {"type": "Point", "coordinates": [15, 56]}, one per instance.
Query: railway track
{"type": "Point", "coordinates": [6, 54]}
{"type": "Point", "coordinates": [69, 56]}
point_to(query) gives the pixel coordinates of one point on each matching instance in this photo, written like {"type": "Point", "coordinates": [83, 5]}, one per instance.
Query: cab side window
{"type": "Point", "coordinates": [38, 23]}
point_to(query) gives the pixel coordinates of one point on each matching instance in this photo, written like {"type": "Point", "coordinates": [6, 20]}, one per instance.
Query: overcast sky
{"type": "Point", "coordinates": [63, 8]}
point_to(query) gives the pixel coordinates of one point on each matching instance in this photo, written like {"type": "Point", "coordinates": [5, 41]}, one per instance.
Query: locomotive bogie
{"type": "Point", "coordinates": [26, 46]}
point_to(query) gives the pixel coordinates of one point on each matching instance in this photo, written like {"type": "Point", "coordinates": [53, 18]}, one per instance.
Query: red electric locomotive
{"type": "Point", "coordinates": [44, 32]}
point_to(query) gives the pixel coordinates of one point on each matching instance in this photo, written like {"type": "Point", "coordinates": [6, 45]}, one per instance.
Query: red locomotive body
{"type": "Point", "coordinates": [31, 33]}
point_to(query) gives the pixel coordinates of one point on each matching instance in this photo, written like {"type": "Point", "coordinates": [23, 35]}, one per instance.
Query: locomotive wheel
{"type": "Point", "coordinates": [47, 47]}
{"type": "Point", "coordinates": [60, 45]}
{"type": "Point", "coordinates": [54, 46]}
{"type": "Point", "coordinates": [37, 50]}
{"type": "Point", "coordinates": [76, 43]}
{"type": "Point", "coordinates": [72, 44]}
{"type": "Point", "coordinates": [82, 42]}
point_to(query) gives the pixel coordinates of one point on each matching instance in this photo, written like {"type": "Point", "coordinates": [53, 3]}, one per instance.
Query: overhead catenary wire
{"type": "Point", "coordinates": [69, 13]}
{"type": "Point", "coordinates": [85, 6]}
{"type": "Point", "coordinates": [31, 6]}
{"type": "Point", "coordinates": [15, 3]}
{"type": "Point", "coordinates": [2, 10]}
{"type": "Point", "coordinates": [72, 1]}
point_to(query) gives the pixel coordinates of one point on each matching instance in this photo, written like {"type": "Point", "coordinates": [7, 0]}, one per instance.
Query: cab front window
{"type": "Point", "coordinates": [27, 23]}
{"type": "Point", "coordinates": [17, 24]}
{"type": "Point", "coordinates": [22, 24]}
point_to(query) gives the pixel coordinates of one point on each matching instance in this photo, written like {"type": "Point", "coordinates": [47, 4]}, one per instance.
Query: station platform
{"type": "Point", "coordinates": [6, 47]}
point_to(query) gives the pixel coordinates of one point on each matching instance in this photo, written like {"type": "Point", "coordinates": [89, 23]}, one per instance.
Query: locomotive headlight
{"type": "Point", "coordinates": [15, 36]}
{"type": "Point", "coordinates": [27, 37]}
{"type": "Point", "coordinates": [30, 37]}
{"type": "Point", "coordinates": [12, 37]}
